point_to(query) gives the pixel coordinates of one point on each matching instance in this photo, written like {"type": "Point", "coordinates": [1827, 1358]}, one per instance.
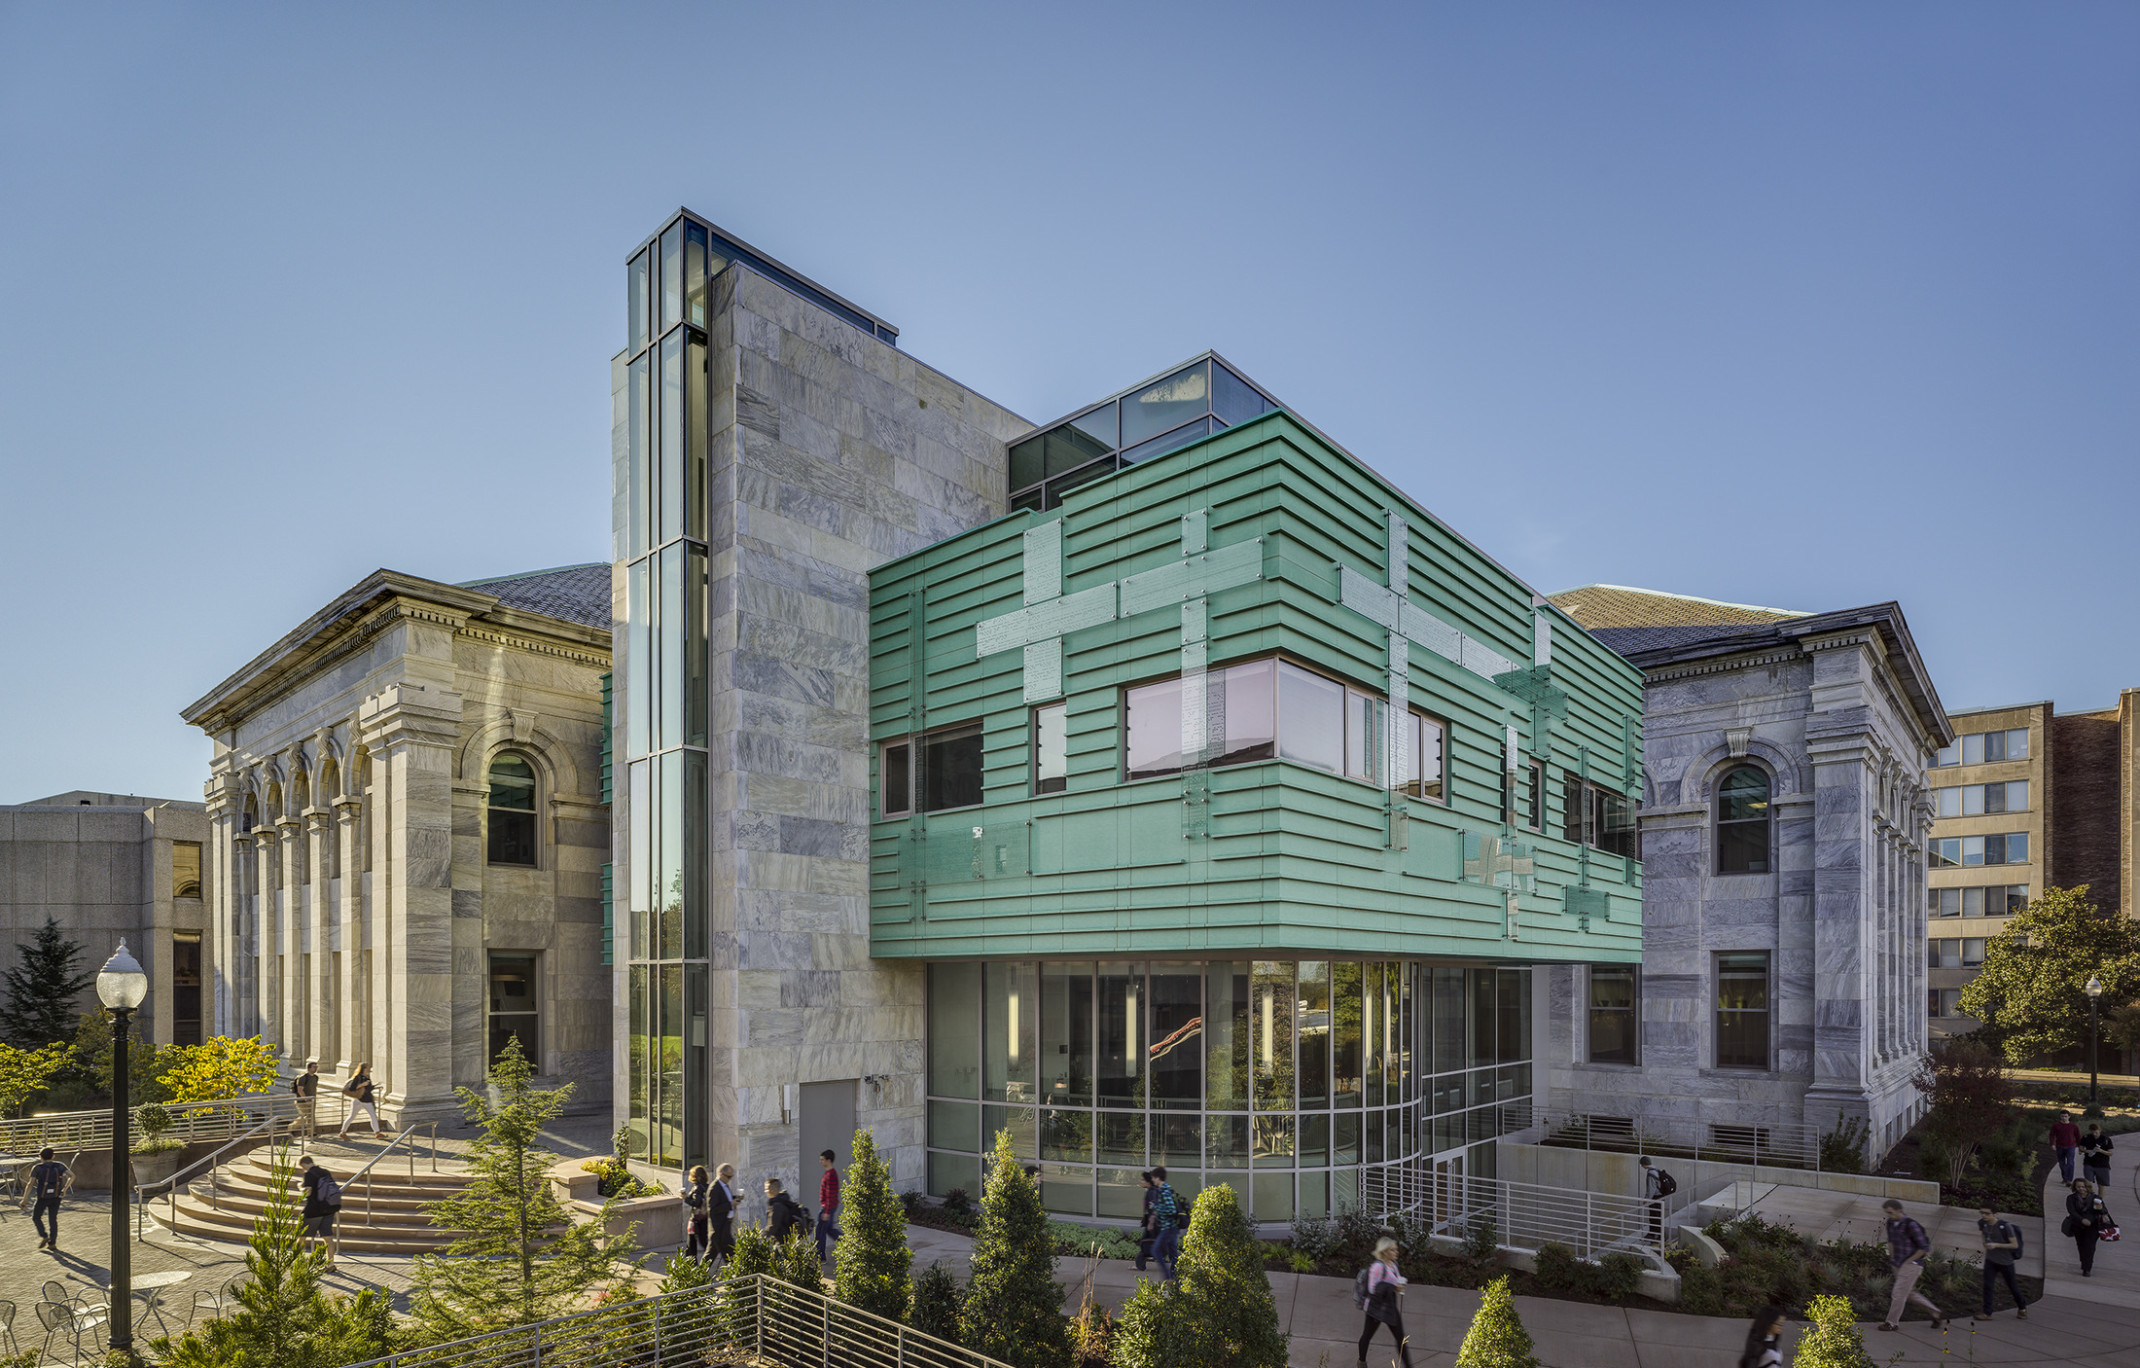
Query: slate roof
{"type": "Point", "coordinates": [1628, 641]}
{"type": "Point", "coordinates": [1598, 606]}
{"type": "Point", "coordinates": [576, 593]}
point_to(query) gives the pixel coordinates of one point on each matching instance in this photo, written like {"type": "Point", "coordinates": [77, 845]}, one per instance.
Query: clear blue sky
{"type": "Point", "coordinates": [1803, 305]}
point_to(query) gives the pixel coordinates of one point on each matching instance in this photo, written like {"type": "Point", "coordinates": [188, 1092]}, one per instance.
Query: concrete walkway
{"type": "Point", "coordinates": [1323, 1327]}
{"type": "Point", "coordinates": [2116, 1280]}
{"type": "Point", "coordinates": [1823, 1216]}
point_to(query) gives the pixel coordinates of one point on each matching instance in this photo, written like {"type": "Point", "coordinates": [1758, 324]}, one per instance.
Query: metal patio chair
{"type": "Point", "coordinates": [66, 1319]}
{"type": "Point", "coordinates": [222, 1299]}
{"type": "Point", "coordinates": [7, 1326]}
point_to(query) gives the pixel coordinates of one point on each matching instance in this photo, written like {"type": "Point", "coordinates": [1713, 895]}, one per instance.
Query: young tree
{"type": "Point", "coordinates": [1013, 1308]}
{"type": "Point", "coordinates": [871, 1260]}
{"type": "Point", "coordinates": [25, 1073]}
{"type": "Point", "coordinates": [519, 1257]}
{"type": "Point", "coordinates": [1218, 1311]}
{"type": "Point", "coordinates": [146, 1062]}
{"type": "Point", "coordinates": [218, 1067]}
{"type": "Point", "coordinates": [1835, 1340]}
{"type": "Point", "coordinates": [43, 988]}
{"type": "Point", "coordinates": [2029, 990]}
{"type": "Point", "coordinates": [935, 1309]}
{"type": "Point", "coordinates": [284, 1318]}
{"type": "Point", "coordinates": [1497, 1338]}
{"type": "Point", "coordinates": [1967, 1088]}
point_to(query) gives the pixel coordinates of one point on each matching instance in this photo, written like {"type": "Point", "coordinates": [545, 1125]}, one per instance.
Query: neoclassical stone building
{"type": "Point", "coordinates": [409, 827]}
{"type": "Point", "coordinates": [1784, 825]}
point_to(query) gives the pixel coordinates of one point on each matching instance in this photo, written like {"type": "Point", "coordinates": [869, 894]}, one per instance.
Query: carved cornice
{"type": "Point", "coordinates": [1723, 664]}
{"type": "Point", "coordinates": [494, 637]}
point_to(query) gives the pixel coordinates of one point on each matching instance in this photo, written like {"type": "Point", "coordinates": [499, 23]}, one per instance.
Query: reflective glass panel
{"type": "Point", "coordinates": [1479, 988]}
{"type": "Point", "coordinates": [1232, 398]}
{"type": "Point", "coordinates": [638, 454]}
{"type": "Point", "coordinates": [1426, 766]}
{"type": "Point", "coordinates": [1366, 736]}
{"type": "Point", "coordinates": [1121, 1193]}
{"type": "Point", "coordinates": [669, 634]}
{"type": "Point", "coordinates": [670, 462]}
{"type": "Point", "coordinates": [1167, 404]}
{"type": "Point", "coordinates": [1314, 1141]}
{"type": "Point", "coordinates": [1166, 442]}
{"type": "Point", "coordinates": [1612, 1014]}
{"type": "Point", "coordinates": [695, 438]}
{"type": "Point", "coordinates": [1742, 1011]}
{"type": "Point", "coordinates": [950, 1173]}
{"type": "Point", "coordinates": [1051, 760]}
{"type": "Point", "coordinates": [1973, 749]}
{"type": "Point", "coordinates": [1448, 1012]}
{"type": "Point", "coordinates": [1226, 1142]}
{"type": "Point", "coordinates": [1177, 1048]}
{"type": "Point", "coordinates": [1152, 736]}
{"type": "Point", "coordinates": [1066, 1190]}
{"type": "Point", "coordinates": [1010, 1031]}
{"type": "Point", "coordinates": [639, 658]}
{"type": "Point", "coordinates": [1314, 1046]}
{"type": "Point", "coordinates": [695, 273]}
{"type": "Point", "coordinates": [1022, 1122]}
{"type": "Point", "coordinates": [635, 306]}
{"type": "Point", "coordinates": [1120, 1138]}
{"type": "Point", "coordinates": [1374, 1033]}
{"type": "Point", "coordinates": [1099, 425]}
{"type": "Point", "coordinates": [1346, 1061]}
{"type": "Point", "coordinates": [1226, 1036]}
{"type": "Point", "coordinates": [669, 895]}
{"type": "Point", "coordinates": [1065, 448]}
{"type": "Point", "coordinates": [955, 1126]}
{"type": "Point", "coordinates": [954, 1041]}
{"type": "Point", "coordinates": [1950, 801]}
{"type": "Point", "coordinates": [1178, 1142]}
{"type": "Point", "coordinates": [1066, 1135]}
{"type": "Point", "coordinates": [1062, 485]}
{"type": "Point", "coordinates": [1027, 465]}
{"type": "Point", "coordinates": [1066, 1033]}
{"type": "Point", "coordinates": [1272, 1027]}
{"type": "Point", "coordinates": [897, 778]}
{"type": "Point", "coordinates": [1121, 1035]}
{"type": "Point", "coordinates": [691, 670]}
{"type": "Point", "coordinates": [672, 275]}
{"type": "Point", "coordinates": [1242, 711]}
{"type": "Point", "coordinates": [640, 890]}
{"type": "Point", "coordinates": [951, 768]}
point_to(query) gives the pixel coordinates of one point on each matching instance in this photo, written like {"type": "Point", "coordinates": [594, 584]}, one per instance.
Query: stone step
{"type": "Point", "coordinates": [196, 1218]}
{"type": "Point", "coordinates": [251, 1204]}
{"type": "Point", "coordinates": [382, 1182]}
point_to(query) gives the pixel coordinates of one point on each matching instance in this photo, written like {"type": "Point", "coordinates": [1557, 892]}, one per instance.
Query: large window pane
{"type": "Point", "coordinates": [1178, 1142]}
{"type": "Point", "coordinates": [1346, 1059]}
{"type": "Point", "coordinates": [1612, 1014]}
{"type": "Point", "coordinates": [1425, 769]}
{"type": "Point", "coordinates": [1119, 1138]}
{"type": "Point", "coordinates": [638, 658]}
{"type": "Point", "coordinates": [672, 275]}
{"type": "Point", "coordinates": [1010, 1031]}
{"type": "Point", "coordinates": [640, 877]}
{"type": "Point", "coordinates": [697, 867]}
{"type": "Point", "coordinates": [1742, 1036]}
{"type": "Point", "coordinates": [1483, 1015]}
{"type": "Point", "coordinates": [1173, 401]}
{"type": "Point", "coordinates": [511, 817]}
{"type": "Point", "coordinates": [1373, 1033]}
{"type": "Point", "coordinates": [670, 443]}
{"type": "Point", "coordinates": [1152, 736]}
{"type": "Point", "coordinates": [1742, 825]}
{"type": "Point", "coordinates": [638, 455]}
{"type": "Point", "coordinates": [951, 768]}
{"type": "Point", "coordinates": [1066, 1033]}
{"type": "Point", "coordinates": [1950, 801]}
{"type": "Point", "coordinates": [669, 618]}
{"type": "Point", "coordinates": [1051, 756]}
{"type": "Point", "coordinates": [635, 302]}
{"type": "Point", "coordinates": [1314, 1060]}
{"type": "Point", "coordinates": [1366, 736]}
{"type": "Point", "coordinates": [954, 1039]}
{"type": "Point", "coordinates": [1099, 425]}
{"type": "Point", "coordinates": [1022, 1122]}
{"type": "Point", "coordinates": [691, 670]}
{"type": "Point", "coordinates": [1177, 1048]}
{"type": "Point", "coordinates": [1066, 1134]}
{"type": "Point", "coordinates": [1234, 401]}
{"type": "Point", "coordinates": [1272, 1028]}
{"type": "Point", "coordinates": [1166, 442]}
{"type": "Point", "coordinates": [954, 1126]}
{"type": "Point", "coordinates": [669, 893]}
{"type": "Point", "coordinates": [694, 423]}
{"type": "Point", "coordinates": [1311, 719]}
{"type": "Point", "coordinates": [695, 274]}
{"type": "Point", "coordinates": [1121, 1035]}
{"type": "Point", "coordinates": [1226, 1037]}
{"type": "Point", "coordinates": [1448, 1013]}
{"type": "Point", "coordinates": [1241, 711]}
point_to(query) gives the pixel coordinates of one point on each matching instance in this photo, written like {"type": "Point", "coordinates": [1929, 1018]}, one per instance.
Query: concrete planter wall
{"type": "Point", "coordinates": [660, 1218]}
{"type": "Point", "coordinates": [92, 1168]}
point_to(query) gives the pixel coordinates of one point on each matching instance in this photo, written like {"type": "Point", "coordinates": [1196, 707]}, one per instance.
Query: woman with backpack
{"type": "Point", "coordinates": [2087, 1218]}
{"type": "Point", "coordinates": [1764, 1340]}
{"type": "Point", "coordinates": [695, 1224]}
{"type": "Point", "coordinates": [1377, 1290]}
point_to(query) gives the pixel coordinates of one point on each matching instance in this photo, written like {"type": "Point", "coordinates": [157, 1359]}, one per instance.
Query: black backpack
{"type": "Point", "coordinates": [1666, 1184]}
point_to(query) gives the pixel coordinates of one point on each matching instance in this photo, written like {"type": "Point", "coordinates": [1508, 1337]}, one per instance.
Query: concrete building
{"type": "Point", "coordinates": [833, 561]}
{"type": "Point", "coordinates": [110, 867]}
{"type": "Point", "coordinates": [408, 828]}
{"type": "Point", "coordinates": [1785, 820]}
{"type": "Point", "coordinates": [2026, 798]}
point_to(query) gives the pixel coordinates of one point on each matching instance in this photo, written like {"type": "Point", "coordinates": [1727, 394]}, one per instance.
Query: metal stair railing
{"type": "Point", "coordinates": [757, 1315]}
{"type": "Point", "coordinates": [144, 1193]}
{"type": "Point", "coordinates": [218, 1118]}
{"type": "Point", "coordinates": [366, 1172]}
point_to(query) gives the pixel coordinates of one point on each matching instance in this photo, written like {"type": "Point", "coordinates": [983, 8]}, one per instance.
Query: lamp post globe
{"type": "Point", "coordinates": [2094, 989]}
{"type": "Point", "coordinates": [122, 985]}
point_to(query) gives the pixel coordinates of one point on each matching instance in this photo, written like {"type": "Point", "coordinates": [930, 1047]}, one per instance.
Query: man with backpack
{"type": "Point", "coordinates": [323, 1202]}
{"type": "Point", "coordinates": [1656, 1186]}
{"type": "Point", "coordinates": [782, 1214]}
{"type": "Point", "coordinates": [1907, 1247]}
{"type": "Point", "coordinates": [307, 1088]}
{"type": "Point", "coordinates": [48, 1183]}
{"type": "Point", "coordinates": [2002, 1248]}
{"type": "Point", "coordinates": [1167, 1221]}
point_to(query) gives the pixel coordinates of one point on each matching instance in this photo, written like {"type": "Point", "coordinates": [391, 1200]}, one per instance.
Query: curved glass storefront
{"type": "Point", "coordinates": [1290, 1080]}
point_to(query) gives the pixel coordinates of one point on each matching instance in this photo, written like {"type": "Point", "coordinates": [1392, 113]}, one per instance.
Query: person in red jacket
{"type": "Point", "coordinates": [2066, 1142]}
{"type": "Point", "coordinates": [828, 1202]}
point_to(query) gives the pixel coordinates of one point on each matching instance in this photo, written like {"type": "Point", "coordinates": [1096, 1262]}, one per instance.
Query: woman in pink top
{"type": "Point", "coordinates": [1383, 1282]}
{"type": "Point", "coordinates": [2066, 1142]}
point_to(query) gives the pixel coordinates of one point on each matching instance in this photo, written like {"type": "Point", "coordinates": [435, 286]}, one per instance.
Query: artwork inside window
{"type": "Point", "coordinates": [1612, 1014]}
{"type": "Point", "coordinates": [185, 869]}
{"type": "Point", "coordinates": [1742, 1010]}
{"type": "Point", "coordinates": [512, 811]}
{"type": "Point", "coordinates": [1051, 748]}
{"type": "Point", "coordinates": [514, 1010]}
{"type": "Point", "coordinates": [1742, 822]}
{"type": "Point", "coordinates": [951, 768]}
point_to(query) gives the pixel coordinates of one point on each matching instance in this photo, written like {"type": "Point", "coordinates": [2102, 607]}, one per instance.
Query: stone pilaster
{"type": "Point", "coordinates": [348, 934]}
{"type": "Point", "coordinates": [267, 991]}
{"type": "Point", "coordinates": [289, 855]}
{"type": "Point", "coordinates": [411, 731]}
{"type": "Point", "coordinates": [319, 964]}
{"type": "Point", "coordinates": [222, 898]}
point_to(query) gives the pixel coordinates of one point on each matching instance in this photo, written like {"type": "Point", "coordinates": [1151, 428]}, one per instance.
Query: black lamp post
{"type": "Point", "coordinates": [2094, 990]}
{"type": "Point", "coordinates": [121, 985]}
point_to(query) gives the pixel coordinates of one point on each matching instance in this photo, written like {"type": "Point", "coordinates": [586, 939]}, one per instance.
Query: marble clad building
{"type": "Point", "coordinates": [1784, 822]}
{"type": "Point", "coordinates": [106, 867]}
{"type": "Point", "coordinates": [408, 828]}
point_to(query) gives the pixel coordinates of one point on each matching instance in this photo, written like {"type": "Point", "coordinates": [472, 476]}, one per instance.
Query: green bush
{"type": "Point", "coordinates": [1619, 1275]}
{"type": "Point", "coordinates": [871, 1260]}
{"type": "Point", "coordinates": [1834, 1340]}
{"type": "Point", "coordinates": [1497, 1338]}
{"type": "Point", "coordinates": [1013, 1308]}
{"type": "Point", "coordinates": [935, 1307]}
{"type": "Point", "coordinates": [1218, 1311]}
{"type": "Point", "coordinates": [1559, 1270]}
{"type": "Point", "coordinates": [1842, 1150]}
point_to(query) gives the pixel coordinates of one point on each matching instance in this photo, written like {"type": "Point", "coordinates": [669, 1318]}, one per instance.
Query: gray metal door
{"type": "Point", "coordinates": [827, 1122]}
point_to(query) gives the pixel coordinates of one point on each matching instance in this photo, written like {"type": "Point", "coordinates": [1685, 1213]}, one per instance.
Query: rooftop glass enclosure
{"type": "Point", "coordinates": [665, 282]}
{"type": "Point", "coordinates": [1141, 422]}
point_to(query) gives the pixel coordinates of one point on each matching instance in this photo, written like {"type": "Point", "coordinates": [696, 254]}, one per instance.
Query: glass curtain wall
{"type": "Point", "coordinates": [1282, 1078]}
{"type": "Point", "coordinates": [660, 437]}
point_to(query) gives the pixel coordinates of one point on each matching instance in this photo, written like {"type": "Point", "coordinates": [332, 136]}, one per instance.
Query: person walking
{"type": "Point", "coordinates": [307, 1087]}
{"type": "Point", "coordinates": [828, 1202]}
{"type": "Point", "coordinates": [695, 1226]}
{"type": "Point", "coordinates": [2095, 1155]}
{"type": "Point", "coordinates": [49, 1180]}
{"type": "Point", "coordinates": [2086, 1220]}
{"type": "Point", "coordinates": [1167, 1221]}
{"type": "Point", "coordinates": [1656, 1186]}
{"type": "Point", "coordinates": [782, 1215]}
{"type": "Point", "coordinates": [1146, 1235]}
{"type": "Point", "coordinates": [1764, 1340]}
{"type": "Point", "coordinates": [2002, 1246]}
{"type": "Point", "coordinates": [1384, 1286]}
{"type": "Point", "coordinates": [1907, 1248]}
{"type": "Point", "coordinates": [2065, 1143]}
{"type": "Point", "coordinates": [721, 1204]}
{"type": "Point", "coordinates": [360, 1092]}
{"type": "Point", "coordinates": [323, 1203]}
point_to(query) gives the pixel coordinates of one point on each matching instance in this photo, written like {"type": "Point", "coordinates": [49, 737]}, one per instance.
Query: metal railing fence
{"type": "Point", "coordinates": [222, 1118]}
{"type": "Point", "coordinates": [1780, 1144]}
{"type": "Point", "coordinates": [757, 1315]}
{"type": "Point", "coordinates": [1527, 1215]}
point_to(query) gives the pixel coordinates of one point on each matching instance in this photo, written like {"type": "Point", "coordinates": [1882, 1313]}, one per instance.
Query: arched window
{"type": "Point", "coordinates": [1742, 828]}
{"type": "Point", "coordinates": [512, 811]}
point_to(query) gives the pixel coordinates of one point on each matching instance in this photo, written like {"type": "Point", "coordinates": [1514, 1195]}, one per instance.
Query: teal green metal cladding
{"type": "Point", "coordinates": [1262, 539]}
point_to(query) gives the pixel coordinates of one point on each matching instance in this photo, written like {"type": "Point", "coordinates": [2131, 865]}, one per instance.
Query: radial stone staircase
{"type": "Point", "coordinates": [223, 1206]}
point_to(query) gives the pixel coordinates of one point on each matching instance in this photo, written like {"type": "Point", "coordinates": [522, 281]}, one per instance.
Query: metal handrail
{"type": "Point", "coordinates": [187, 1174]}
{"type": "Point", "coordinates": [756, 1315]}
{"type": "Point", "coordinates": [205, 1119]}
{"type": "Point", "coordinates": [407, 1131]}
{"type": "Point", "coordinates": [1527, 1215]}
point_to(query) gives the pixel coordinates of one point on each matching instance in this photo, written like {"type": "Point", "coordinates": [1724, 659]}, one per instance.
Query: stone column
{"type": "Point", "coordinates": [319, 991]}
{"type": "Point", "coordinates": [289, 851]}
{"type": "Point", "coordinates": [267, 991]}
{"type": "Point", "coordinates": [221, 892]}
{"type": "Point", "coordinates": [378, 984]}
{"type": "Point", "coordinates": [411, 732]}
{"type": "Point", "coordinates": [348, 934]}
